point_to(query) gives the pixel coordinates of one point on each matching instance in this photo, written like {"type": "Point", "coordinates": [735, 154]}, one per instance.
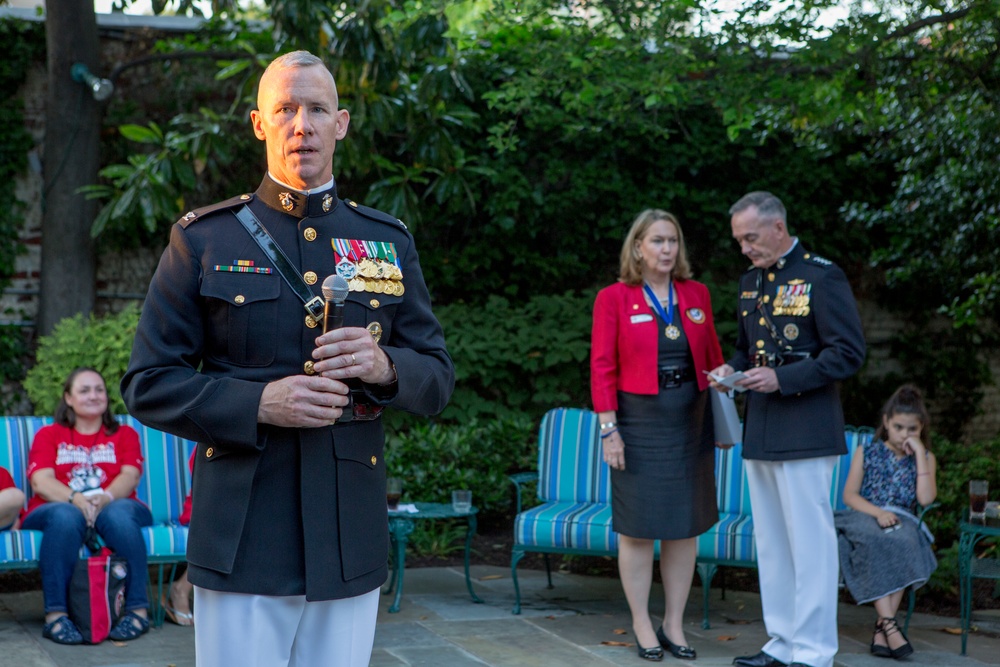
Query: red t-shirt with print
{"type": "Point", "coordinates": [83, 462]}
{"type": "Point", "coordinates": [6, 481]}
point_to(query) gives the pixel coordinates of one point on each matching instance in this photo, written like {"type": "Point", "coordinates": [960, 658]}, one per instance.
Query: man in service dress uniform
{"type": "Point", "coordinates": [289, 533]}
{"type": "Point", "coordinates": [799, 334]}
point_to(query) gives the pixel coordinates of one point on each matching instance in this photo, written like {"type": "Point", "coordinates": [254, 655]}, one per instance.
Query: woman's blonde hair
{"type": "Point", "coordinates": [630, 270]}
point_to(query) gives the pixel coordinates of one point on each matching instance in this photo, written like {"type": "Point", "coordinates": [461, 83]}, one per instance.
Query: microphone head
{"type": "Point", "coordinates": [335, 288]}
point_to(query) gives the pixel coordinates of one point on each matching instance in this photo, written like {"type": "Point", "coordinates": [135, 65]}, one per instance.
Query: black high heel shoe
{"type": "Point", "coordinates": [682, 652]}
{"type": "Point", "coordinates": [655, 654]}
{"type": "Point", "coordinates": [889, 627]}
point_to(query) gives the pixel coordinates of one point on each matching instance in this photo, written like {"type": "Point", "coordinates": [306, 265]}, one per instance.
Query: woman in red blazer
{"type": "Point", "coordinates": [652, 339]}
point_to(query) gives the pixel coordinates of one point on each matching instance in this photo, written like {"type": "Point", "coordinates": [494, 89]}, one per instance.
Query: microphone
{"type": "Point", "coordinates": [335, 289]}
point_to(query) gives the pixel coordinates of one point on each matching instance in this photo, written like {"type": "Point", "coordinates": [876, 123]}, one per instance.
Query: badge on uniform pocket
{"type": "Point", "coordinates": [643, 317]}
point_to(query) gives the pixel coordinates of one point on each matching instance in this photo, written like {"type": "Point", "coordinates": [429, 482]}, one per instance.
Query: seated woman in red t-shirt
{"type": "Point", "coordinates": [84, 470]}
{"type": "Point", "coordinates": [11, 501]}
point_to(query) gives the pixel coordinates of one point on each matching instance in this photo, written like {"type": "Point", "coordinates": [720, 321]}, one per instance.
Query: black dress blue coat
{"type": "Point", "coordinates": [278, 511]}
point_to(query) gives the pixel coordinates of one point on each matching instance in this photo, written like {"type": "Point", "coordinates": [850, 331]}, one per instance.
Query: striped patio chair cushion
{"type": "Point", "coordinates": [854, 437]}
{"type": "Point", "coordinates": [732, 491]}
{"type": "Point", "coordinates": [19, 548]}
{"type": "Point", "coordinates": [730, 539]}
{"type": "Point", "coordinates": [578, 526]}
{"type": "Point", "coordinates": [165, 479]}
{"type": "Point", "coordinates": [16, 434]}
{"type": "Point", "coordinates": [570, 466]}
{"type": "Point", "coordinates": [166, 542]}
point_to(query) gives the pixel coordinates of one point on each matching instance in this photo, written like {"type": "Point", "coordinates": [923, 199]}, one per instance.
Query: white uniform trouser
{"type": "Point", "coordinates": [797, 557]}
{"type": "Point", "coordinates": [240, 630]}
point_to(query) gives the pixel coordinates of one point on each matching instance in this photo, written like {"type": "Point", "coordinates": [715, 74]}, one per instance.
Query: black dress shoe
{"type": "Point", "coordinates": [759, 660]}
{"type": "Point", "coordinates": [655, 654]}
{"type": "Point", "coordinates": [682, 652]}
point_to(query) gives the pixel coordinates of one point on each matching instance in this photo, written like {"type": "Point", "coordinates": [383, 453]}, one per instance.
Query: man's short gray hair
{"type": "Point", "coordinates": [768, 206]}
{"type": "Point", "coordinates": [294, 59]}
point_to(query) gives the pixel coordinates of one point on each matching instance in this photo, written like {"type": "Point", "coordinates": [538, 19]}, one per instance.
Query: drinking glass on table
{"type": "Point", "coordinates": [978, 491]}
{"type": "Point", "coordinates": [461, 501]}
{"type": "Point", "coordinates": [393, 490]}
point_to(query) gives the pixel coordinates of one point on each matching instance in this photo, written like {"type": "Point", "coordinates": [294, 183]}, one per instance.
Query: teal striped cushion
{"type": "Point", "coordinates": [730, 539]}
{"type": "Point", "coordinates": [166, 478]}
{"type": "Point", "coordinates": [854, 437]}
{"type": "Point", "coordinates": [166, 542]}
{"type": "Point", "coordinates": [571, 469]}
{"type": "Point", "coordinates": [731, 488]}
{"type": "Point", "coordinates": [16, 434]}
{"type": "Point", "coordinates": [19, 547]}
{"type": "Point", "coordinates": [578, 526]}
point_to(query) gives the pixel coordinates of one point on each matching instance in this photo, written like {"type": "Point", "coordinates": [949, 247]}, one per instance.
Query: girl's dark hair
{"type": "Point", "coordinates": [64, 413]}
{"type": "Point", "coordinates": [907, 400]}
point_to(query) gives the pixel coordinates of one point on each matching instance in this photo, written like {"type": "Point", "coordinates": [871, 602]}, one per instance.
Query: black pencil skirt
{"type": "Point", "coordinates": [667, 490]}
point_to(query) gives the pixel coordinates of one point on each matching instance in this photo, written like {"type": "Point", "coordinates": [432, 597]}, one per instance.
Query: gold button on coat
{"type": "Point", "coordinates": [770, 276]}
{"type": "Point", "coordinates": [374, 460]}
{"type": "Point", "coordinates": [239, 298]}
{"type": "Point", "coordinates": [767, 298]}
{"type": "Point", "coordinates": [308, 368]}
{"type": "Point", "coordinates": [374, 303]}
{"type": "Point", "coordinates": [309, 233]}
{"type": "Point", "coordinates": [762, 321]}
{"type": "Point", "coordinates": [209, 453]}
{"type": "Point", "coordinates": [310, 277]}
{"type": "Point", "coordinates": [311, 322]}
{"type": "Point", "coordinates": [760, 345]}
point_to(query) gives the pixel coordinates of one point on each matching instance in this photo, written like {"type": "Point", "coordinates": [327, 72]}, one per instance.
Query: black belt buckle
{"type": "Point", "coordinates": [672, 376]}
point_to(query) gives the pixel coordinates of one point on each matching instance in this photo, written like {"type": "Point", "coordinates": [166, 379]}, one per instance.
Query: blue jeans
{"type": "Point", "coordinates": [65, 528]}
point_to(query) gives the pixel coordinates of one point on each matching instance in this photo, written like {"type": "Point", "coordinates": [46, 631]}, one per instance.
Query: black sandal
{"type": "Point", "coordinates": [880, 650]}
{"type": "Point", "coordinates": [62, 631]}
{"type": "Point", "coordinates": [889, 627]}
{"type": "Point", "coordinates": [129, 626]}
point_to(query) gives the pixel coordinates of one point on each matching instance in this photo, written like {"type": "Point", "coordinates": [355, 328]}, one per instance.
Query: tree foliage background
{"type": "Point", "coordinates": [519, 139]}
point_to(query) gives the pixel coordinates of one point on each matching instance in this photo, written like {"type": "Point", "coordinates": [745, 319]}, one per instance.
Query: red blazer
{"type": "Point", "coordinates": [624, 345]}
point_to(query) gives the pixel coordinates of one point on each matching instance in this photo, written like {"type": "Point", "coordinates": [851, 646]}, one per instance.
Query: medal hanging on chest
{"type": "Point", "coordinates": [671, 332]}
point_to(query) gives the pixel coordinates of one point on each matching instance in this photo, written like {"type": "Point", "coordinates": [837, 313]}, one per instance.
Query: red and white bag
{"type": "Point", "coordinates": [97, 594]}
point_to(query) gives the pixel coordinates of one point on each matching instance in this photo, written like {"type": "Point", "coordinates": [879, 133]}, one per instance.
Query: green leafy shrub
{"type": "Point", "coordinates": [518, 358]}
{"type": "Point", "coordinates": [103, 343]}
{"type": "Point", "coordinates": [435, 459]}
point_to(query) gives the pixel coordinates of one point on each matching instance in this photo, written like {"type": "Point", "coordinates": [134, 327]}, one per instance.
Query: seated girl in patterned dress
{"type": "Point", "coordinates": [883, 547]}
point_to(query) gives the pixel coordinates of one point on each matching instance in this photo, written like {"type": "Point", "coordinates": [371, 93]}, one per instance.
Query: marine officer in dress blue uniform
{"type": "Point", "coordinates": [799, 334]}
{"type": "Point", "coordinates": [289, 534]}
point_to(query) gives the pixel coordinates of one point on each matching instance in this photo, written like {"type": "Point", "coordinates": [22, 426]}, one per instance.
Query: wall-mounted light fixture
{"type": "Point", "coordinates": [100, 88]}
